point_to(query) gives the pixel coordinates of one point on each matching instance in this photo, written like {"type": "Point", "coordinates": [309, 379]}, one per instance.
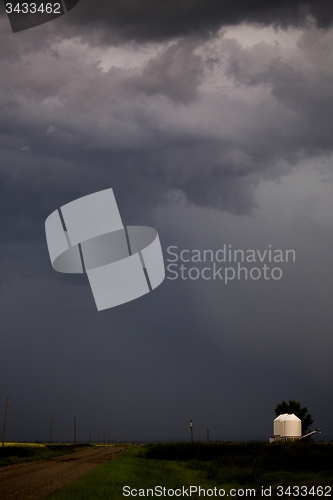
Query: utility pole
{"type": "Point", "coordinates": [191, 427]}
{"type": "Point", "coordinates": [104, 438]}
{"type": "Point", "coordinates": [74, 431]}
{"type": "Point", "coordinates": [207, 434]}
{"type": "Point", "coordinates": [5, 422]}
{"type": "Point", "coordinates": [51, 429]}
{"type": "Point", "coordinates": [89, 435]}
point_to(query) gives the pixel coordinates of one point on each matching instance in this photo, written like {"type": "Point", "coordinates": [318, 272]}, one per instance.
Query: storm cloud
{"type": "Point", "coordinates": [212, 122]}
{"type": "Point", "coordinates": [156, 21]}
{"type": "Point", "coordinates": [162, 121]}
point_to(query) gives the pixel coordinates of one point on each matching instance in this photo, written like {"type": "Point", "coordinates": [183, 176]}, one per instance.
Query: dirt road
{"type": "Point", "coordinates": [34, 480]}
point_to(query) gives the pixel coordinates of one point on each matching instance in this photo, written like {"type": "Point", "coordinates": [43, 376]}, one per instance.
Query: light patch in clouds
{"type": "Point", "coordinates": [248, 35]}
{"type": "Point", "coordinates": [126, 56]}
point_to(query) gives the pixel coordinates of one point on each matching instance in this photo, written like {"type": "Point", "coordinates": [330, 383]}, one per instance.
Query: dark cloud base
{"type": "Point", "coordinates": [105, 22]}
{"type": "Point", "coordinates": [151, 20]}
{"type": "Point", "coordinates": [163, 142]}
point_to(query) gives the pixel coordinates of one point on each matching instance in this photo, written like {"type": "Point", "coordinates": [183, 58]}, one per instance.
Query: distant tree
{"type": "Point", "coordinates": [301, 412]}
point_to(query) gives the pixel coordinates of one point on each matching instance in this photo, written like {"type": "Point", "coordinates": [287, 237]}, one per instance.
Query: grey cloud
{"type": "Point", "coordinates": [176, 73]}
{"type": "Point", "coordinates": [300, 81]}
{"type": "Point", "coordinates": [152, 132]}
{"type": "Point", "coordinates": [102, 22]}
{"type": "Point", "coordinates": [121, 20]}
{"type": "Point", "coordinates": [247, 344]}
{"type": "Point", "coordinates": [163, 139]}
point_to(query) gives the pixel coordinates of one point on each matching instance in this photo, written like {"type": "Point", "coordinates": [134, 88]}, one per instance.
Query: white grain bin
{"type": "Point", "coordinates": [278, 426]}
{"type": "Point", "coordinates": [292, 427]}
{"type": "Point", "coordinates": [287, 427]}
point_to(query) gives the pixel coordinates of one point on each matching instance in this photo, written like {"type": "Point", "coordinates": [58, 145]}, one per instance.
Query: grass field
{"type": "Point", "coordinates": [16, 453]}
{"type": "Point", "coordinates": [130, 468]}
{"type": "Point", "coordinates": [255, 464]}
{"type": "Point", "coordinates": [232, 467]}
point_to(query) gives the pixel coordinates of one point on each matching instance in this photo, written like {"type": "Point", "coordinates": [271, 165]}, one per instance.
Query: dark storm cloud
{"type": "Point", "coordinates": [147, 20]}
{"type": "Point", "coordinates": [68, 128]}
{"type": "Point", "coordinates": [152, 132]}
{"type": "Point", "coordinates": [189, 349]}
{"type": "Point", "coordinates": [151, 20]}
{"type": "Point", "coordinates": [106, 128]}
{"type": "Point", "coordinates": [199, 124]}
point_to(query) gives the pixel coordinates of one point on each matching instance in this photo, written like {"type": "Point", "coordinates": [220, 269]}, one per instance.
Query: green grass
{"type": "Point", "coordinates": [255, 464]}
{"type": "Point", "coordinates": [131, 468]}
{"type": "Point", "coordinates": [16, 453]}
{"type": "Point", "coordinates": [223, 465]}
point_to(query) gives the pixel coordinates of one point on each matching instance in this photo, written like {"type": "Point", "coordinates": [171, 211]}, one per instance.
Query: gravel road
{"type": "Point", "coordinates": [34, 480]}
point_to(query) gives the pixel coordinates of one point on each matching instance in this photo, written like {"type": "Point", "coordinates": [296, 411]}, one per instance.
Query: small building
{"type": "Point", "coordinates": [287, 427]}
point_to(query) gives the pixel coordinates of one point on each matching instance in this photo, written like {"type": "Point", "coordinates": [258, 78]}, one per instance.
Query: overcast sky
{"type": "Point", "coordinates": [212, 121]}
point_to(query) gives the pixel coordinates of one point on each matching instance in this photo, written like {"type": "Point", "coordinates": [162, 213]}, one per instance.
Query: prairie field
{"type": "Point", "coordinates": [237, 469]}
{"type": "Point", "coordinates": [16, 453]}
